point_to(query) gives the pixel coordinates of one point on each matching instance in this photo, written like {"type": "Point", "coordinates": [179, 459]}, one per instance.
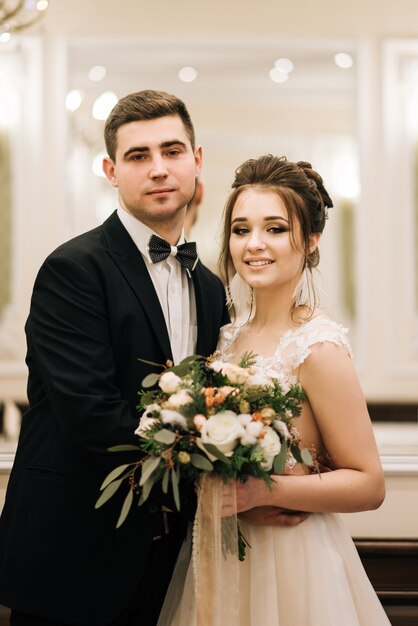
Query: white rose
{"type": "Point", "coordinates": [145, 423]}
{"type": "Point", "coordinates": [177, 400]}
{"type": "Point", "coordinates": [270, 446]}
{"type": "Point", "coordinates": [169, 382]}
{"type": "Point", "coordinates": [235, 373]}
{"type": "Point", "coordinates": [223, 430]}
{"type": "Point", "coordinates": [174, 418]}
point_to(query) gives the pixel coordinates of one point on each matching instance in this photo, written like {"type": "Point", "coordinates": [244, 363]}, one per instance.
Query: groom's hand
{"type": "Point", "coordinates": [273, 516]}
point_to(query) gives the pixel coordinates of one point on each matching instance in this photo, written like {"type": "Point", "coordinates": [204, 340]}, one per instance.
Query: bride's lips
{"type": "Point", "coordinates": [258, 262]}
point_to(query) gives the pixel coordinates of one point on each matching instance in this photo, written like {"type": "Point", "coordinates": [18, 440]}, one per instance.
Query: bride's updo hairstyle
{"type": "Point", "coordinates": [299, 186]}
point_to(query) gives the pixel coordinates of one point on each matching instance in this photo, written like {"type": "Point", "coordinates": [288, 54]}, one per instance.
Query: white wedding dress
{"type": "Point", "coordinates": [307, 575]}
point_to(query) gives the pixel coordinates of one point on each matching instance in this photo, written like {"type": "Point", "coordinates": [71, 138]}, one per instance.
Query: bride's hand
{"type": "Point", "coordinates": [273, 516]}
{"type": "Point", "coordinates": [249, 504]}
{"type": "Point", "coordinates": [241, 495]}
{"type": "Point", "coordinates": [254, 492]}
{"type": "Point", "coordinates": [251, 493]}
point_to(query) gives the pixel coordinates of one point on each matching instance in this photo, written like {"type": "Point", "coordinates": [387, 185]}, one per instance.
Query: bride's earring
{"type": "Point", "coordinates": [240, 296]}
{"type": "Point", "coordinates": [304, 293]}
{"type": "Point", "coordinates": [250, 314]}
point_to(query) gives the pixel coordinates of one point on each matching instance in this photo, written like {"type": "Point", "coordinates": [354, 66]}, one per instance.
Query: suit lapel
{"type": "Point", "coordinates": [203, 316]}
{"type": "Point", "coordinates": [130, 262]}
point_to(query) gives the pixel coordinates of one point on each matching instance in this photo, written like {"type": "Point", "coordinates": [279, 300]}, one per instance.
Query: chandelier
{"type": "Point", "coordinates": [16, 15]}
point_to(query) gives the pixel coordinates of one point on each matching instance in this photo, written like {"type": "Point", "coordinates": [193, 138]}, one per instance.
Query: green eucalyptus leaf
{"type": "Point", "coordinates": [165, 436]}
{"type": "Point", "coordinates": [125, 508]}
{"type": "Point", "coordinates": [164, 482]}
{"type": "Point", "coordinates": [185, 365]}
{"type": "Point", "coordinates": [148, 468]}
{"type": "Point", "coordinates": [201, 462]}
{"type": "Point", "coordinates": [212, 449]}
{"type": "Point", "coordinates": [192, 357]}
{"type": "Point", "coordinates": [146, 490]}
{"type": "Point", "coordinates": [306, 456]}
{"type": "Point", "coordinates": [108, 492]}
{"type": "Point", "coordinates": [113, 474]}
{"type": "Point", "coordinates": [175, 485]}
{"type": "Point", "coordinates": [147, 398]}
{"type": "Point", "coordinates": [124, 448]}
{"type": "Point", "coordinates": [181, 369]}
{"type": "Point", "coordinates": [150, 380]}
{"type": "Point", "coordinates": [295, 450]}
{"type": "Point", "coordinates": [279, 462]}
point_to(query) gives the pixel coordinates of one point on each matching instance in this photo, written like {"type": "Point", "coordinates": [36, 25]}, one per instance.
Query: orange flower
{"type": "Point", "coordinates": [257, 416]}
{"type": "Point", "coordinates": [210, 396]}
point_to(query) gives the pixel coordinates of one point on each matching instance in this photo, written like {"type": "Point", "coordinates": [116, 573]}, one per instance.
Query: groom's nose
{"type": "Point", "coordinates": [158, 167]}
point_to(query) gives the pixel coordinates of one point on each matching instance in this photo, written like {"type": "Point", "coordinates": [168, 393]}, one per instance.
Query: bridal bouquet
{"type": "Point", "coordinates": [209, 416]}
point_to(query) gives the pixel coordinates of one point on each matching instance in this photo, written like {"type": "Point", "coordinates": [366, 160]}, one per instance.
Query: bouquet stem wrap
{"type": "Point", "coordinates": [215, 553]}
{"type": "Point", "coordinates": [204, 590]}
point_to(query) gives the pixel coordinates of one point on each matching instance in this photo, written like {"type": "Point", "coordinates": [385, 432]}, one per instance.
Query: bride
{"type": "Point", "coordinates": [307, 574]}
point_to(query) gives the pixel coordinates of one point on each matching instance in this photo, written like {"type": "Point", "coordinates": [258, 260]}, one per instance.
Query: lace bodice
{"type": "Point", "coordinates": [292, 349]}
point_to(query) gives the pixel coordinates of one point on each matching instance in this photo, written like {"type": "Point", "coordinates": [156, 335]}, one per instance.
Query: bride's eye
{"type": "Point", "coordinates": [277, 229]}
{"type": "Point", "coordinates": [240, 230]}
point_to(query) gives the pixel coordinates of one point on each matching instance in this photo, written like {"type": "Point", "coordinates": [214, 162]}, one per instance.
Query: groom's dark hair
{"type": "Point", "coordinates": [144, 105]}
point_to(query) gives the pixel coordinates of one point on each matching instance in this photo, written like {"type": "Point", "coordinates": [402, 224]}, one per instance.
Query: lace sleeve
{"type": "Point", "coordinates": [297, 346]}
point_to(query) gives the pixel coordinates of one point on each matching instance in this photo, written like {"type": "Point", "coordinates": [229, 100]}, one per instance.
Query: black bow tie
{"type": "Point", "coordinates": [160, 249]}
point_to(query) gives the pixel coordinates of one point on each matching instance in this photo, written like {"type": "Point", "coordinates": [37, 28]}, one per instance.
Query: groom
{"type": "Point", "coordinates": [102, 302]}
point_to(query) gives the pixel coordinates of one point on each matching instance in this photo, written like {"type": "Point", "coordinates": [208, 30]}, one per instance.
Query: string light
{"type": "Point", "coordinates": [17, 15]}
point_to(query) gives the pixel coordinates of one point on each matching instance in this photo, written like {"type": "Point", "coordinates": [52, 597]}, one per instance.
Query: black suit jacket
{"type": "Point", "coordinates": [94, 312]}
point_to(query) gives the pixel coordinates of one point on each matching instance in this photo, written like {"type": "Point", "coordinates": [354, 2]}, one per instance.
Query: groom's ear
{"type": "Point", "coordinates": [109, 170]}
{"type": "Point", "coordinates": [198, 159]}
{"type": "Point", "coordinates": [313, 242]}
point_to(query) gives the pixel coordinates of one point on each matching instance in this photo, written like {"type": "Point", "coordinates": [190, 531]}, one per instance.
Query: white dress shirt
{"type": "Point", "coordinates": [173, 286]}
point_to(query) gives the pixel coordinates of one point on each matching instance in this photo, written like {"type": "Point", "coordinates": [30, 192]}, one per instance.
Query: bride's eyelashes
{"type": "Point", "coordinates": [240, 230]}
{"type": "Point", "coordinates": [278, 229]}
{"type": "Point", "coordinates": [275, 230]}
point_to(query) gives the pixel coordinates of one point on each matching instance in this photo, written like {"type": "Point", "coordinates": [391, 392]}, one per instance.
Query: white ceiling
{"type": "Point", "coordinates": [227, 71]}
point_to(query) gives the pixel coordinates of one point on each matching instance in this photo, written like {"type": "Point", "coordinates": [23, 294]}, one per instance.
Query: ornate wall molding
{"type": "Point", "coordinates": [400, 223]}
{"type": "Point", "coordinates": [21, 110]}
